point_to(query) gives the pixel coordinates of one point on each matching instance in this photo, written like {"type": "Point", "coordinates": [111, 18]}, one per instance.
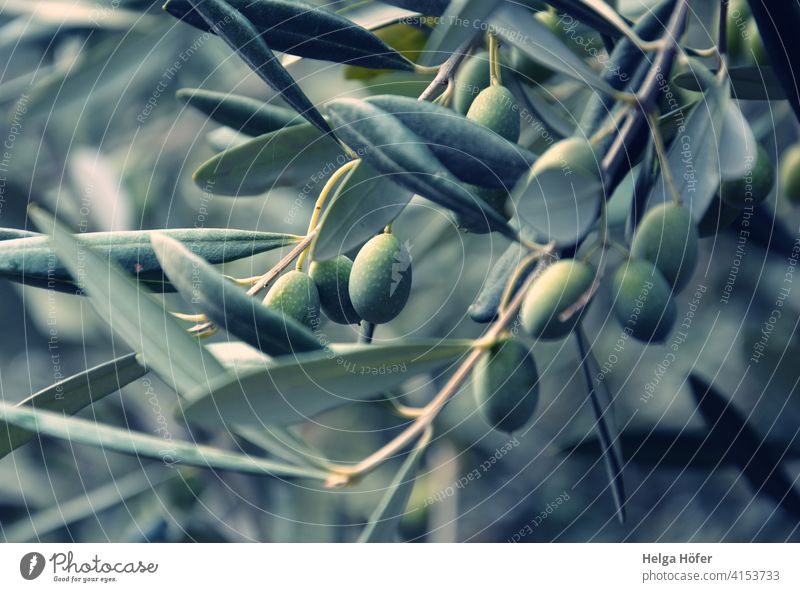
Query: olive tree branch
{"type": "Point", "coordinates": [444, 75]}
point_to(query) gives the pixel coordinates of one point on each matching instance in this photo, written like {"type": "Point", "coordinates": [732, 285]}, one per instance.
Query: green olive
{"type": "Point", "coordinates": [295, 295]}
{"type": "Point", "coordinates": [496, 108]}
{"type": "Point", "coordinates": [790, 173]}
{"type": "Point", "coordinates": [718, 216]}
{"type": "Point", "coordinates": [560, 286]}
{"type": "Point", "coordinates": [667, 237]}
{"type": "Point", "coordinates": [642, 301]}
{"type": "Point", "coordinates": [574, 154]}
{"type": "Point", "coordinates": [754, 186]}
{"type": "Point", "coordinates": [506, 386]}
{"type": "Point", "coordinates": [472, 77]}
{"type": "Point", "coordinates": [332, 278]}
{"type": "Point", "coordinates": [380, 280]}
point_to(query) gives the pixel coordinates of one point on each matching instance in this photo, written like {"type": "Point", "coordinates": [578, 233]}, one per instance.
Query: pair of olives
{"type": "Point", "coordinates": [375, 287]}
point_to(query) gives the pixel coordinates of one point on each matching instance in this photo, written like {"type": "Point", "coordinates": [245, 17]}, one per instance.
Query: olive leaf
{"type": "Point", "coordinates": [596, 14]}
{"type": "Point", "coordinates": [72, 394]}
{"type": "Point", "coordinates": [472, 152]}
{"type": "Point", "coordinates": [384, 520]}
{"type": "Point", "coordinates": [754, 83]}
{"type": "Point", "coordinates": [294, 388]}
{"type": "Point", "coordinates": [778, 24]}
{"type": "Point", "coordinates": [227, 305]}
{"type": "Point", "coordinates": [607, 434]}
{"type": "Point", "coordinates": [426, 7]}
{"type": "Point", "coordinates": [517, 27]}
{"type": "Point", "coordinates": [284, 157]}
{"type": "Point", "coordinates": [457, 27]}
{"type": "Point", "coordinates": [110, 438]}
{"type": "Point", "coordinates": [12, 233]}
{"type": "Point", "coordinates": [737, 144]}
{"type": "Point", "coordinates": [304, 29]}
{"type": "Point", "coordinates": [388, 146]}
{"type": "Point", "coordinates": [34, 261]}
{"type": "Point", "coordinates": [764, 471]}
{"type": "Point", "coordinates": [246, 115]}
{"type": "Point", "coordinates": [140, 320]}
{"type": "Point", "coordinates": [241, 35]}
{"type": "Point", "coordinates": [364, 203]}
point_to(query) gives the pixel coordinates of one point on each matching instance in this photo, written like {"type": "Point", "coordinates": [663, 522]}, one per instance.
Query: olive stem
{"type": "Point", "coordinates": [265, 279]}
{"type": "Point", "coordinates": [432, 409]}
{"type": "Point", "coordinates": [495, 79]}
{"type": "Point", "coordinates": [722, 37]}
{"type": "Point", "coordinates": [368, 332]}
{"type": "Point", "coordinates": [522, 268]}
{"type": "Point", "coordinates": [663, 162]}
{"type": "Point", "coordinates": [323, 195]}
{"type": "Point", "coordinates": [445, 72]}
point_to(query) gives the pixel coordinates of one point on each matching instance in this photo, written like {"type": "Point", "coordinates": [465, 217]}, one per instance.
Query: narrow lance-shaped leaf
{"type": "Point", "coordinates": [35, 262]}
{"type": "Point", "coordinates": [754, 83]}
{"type": "Point", "coordinates": [364, 203]}
{"type": "Point", "coordinates": [304, 29]}
{"type": "Point", "coordinates": [392, 149]}
{"type": "Point", "coordinates": [142, 322]}
{"type": "Point", "coordinates": [106, 437]}
{"type": "Point", "coordinates": [246, 115]}
{"type": "Point", "coordinates": [595, 14]}
{"type": "Point", "coordinates": [73, 394]}
{"type": "Point", "coordinates": [240, 34]}
{"type": "Point", "coordinates": [455, 28]}
{"type": "Point", "coordinates": [295, 388]}
{"type": "Point", "coordinates": [285, 157]}
{"type": "Point", "coordinates": [227, 305]}
{"type": "Point", "coordinates": [384, 520]}
{"type": "Point", "coordinates": [604, 424]}
{"type": "Point", "coordinates": [765, 472]}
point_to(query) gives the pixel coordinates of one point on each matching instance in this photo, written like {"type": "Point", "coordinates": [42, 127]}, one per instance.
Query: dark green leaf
{"type": "Point", "coordinates": [595, 14]}
{"type": "Point", "coordinates": [110, 438]}
{"type": "Point", "coordinates": [458, 25]}
{"type": "Point", "coordinates": [227, 305]}
{"type": "Point", "coordinates": [470, 151]}
{"type": "Point", "coordinates": [778, 23]}
{"type": "Point", "coordinates": [294, 388]}
{"type": "Point", "coordinates": [363, 204]}
{"type": "Point", "coordinates": [249, 116]}
{"type": "Point", "coordinates": [241, 35]}
{"type": "Point", "coordinates": [385, 519]}
{"type": "Point", "coordinates": [72, 394]}
{"type": "Point", "coordinates": [306, 30]}
{"type": "Point", "coordinates": [141, 321]}
{"type": "Point", "coordinates": [756, 83]}
{"type": "Point", "coordinates": [602, 405]}
{"type": "Point", "coordinates": [764, 471]}
{"type": "Point", "coordinates": [392, 149]}
{"type": "Point", "coordinates": [34, 262]}
{"type": "Point", "coordinates": [284, 157]}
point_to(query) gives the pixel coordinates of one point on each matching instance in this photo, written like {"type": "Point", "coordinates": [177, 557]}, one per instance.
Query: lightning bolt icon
{"type": "Point", "coordinates": [34, 561]}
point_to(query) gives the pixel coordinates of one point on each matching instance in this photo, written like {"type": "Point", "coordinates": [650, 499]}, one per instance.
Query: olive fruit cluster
{"type": "Point", "coordinates": [375, 287]}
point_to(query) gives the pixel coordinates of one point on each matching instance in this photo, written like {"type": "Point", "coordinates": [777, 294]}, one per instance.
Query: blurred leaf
{"type": "Point", "coordinates": [303, 29]}
{"type": "Point", "coordinates": [88, 504]}
{"type": "Point", "coordinates": [110, 438]}
{"type": "Point", "coordinates": [249, 116]}
{"type": "Point", "coordinates": [241, 35]}
{"type": "Point", "coordinates": [472, 152]}
{"type": "Point", "coordinates": [392, 149]}
{"type": "Point", "coordinates": [408, 40]}
{"type": "Point", "coordinates": [764, 471]}
{"type": "Point", "coordinates": [778, 23]}
{"type": "Point", "coordinates": [604, 424]}
{"type": "Point", "coordinates": [596, 14]}
{"type": "Point", "coordinates": [140, 320]}
{"type": "Point", "coordinates": [455, 28]}
{"type": "Point", "coordinates": [73, 394]}
{"type": "Point", "coordinates": [227, 304]}
{"type": "Point", "coordinates": [13, 233]}
{"type": "Point", "coordinates": [284, 157]}
{"type": "Point", "coordinates": [517, 27]}
{"type": "Point", "coordinates": [237, 355]}
{"type": "Point", "coordinates": [363, 204]}
{"type": "Point", "coordinates": [426, 7]}
{"type": "Point", "coordinates": [34, 261]}
{"type": "Point", "coordinates": [225, 138]}
{"type": "Point", "coordinates": [694, 162]}
{"type": "Point", "coordinates": [757, 83]}
{"type": "Point", "coordinates": [295, 388]}
{"type": "Point", "coordinates": [641, 190]}
{"type": "Point", "coordinates": [61, 14]}
{"type": "Point", "coordinates": [385, 519]}
{"type": "Point", "coordinates": [737, 144]}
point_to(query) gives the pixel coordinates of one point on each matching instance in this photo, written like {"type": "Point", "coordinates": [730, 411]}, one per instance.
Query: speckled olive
{"type": "Point", "coordinates": [754, 186]}
{"type": "Point", "coordinates": [790, 173]}
{"type": "Point", "coordinates": [667, 237]}
{"type": "Point", "coordinates": [380, 280]}
{"type": "Point", "coordinates": [560, 286]}
{"type": "Point", "coordinates": [506, 386]}
{"type": "Point", "coordinates": [295, 295]}
{"type": "Point", "coordinates": [642, 301]}
{"type": "Point", "coordinates": [332, 278]}
{"type": "Point", "coordinates": [571, 155]}
{"type": "Point", "coordinates": [496, 108]}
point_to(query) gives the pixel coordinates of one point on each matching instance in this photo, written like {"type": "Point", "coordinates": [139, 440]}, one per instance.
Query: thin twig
{"type": "Point", "coordinates": [445, 73]}
{"type": "Point", "coordinates": [282, 264]}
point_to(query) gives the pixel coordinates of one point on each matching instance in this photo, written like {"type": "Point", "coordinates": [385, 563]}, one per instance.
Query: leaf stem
{"type": "Point", "coordinates": [663, 161]}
